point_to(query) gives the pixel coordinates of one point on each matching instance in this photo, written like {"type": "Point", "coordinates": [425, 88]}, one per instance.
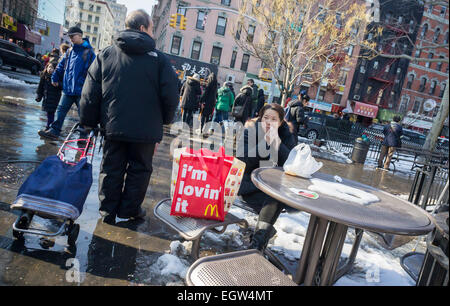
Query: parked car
{"type": "Point", "coordinates": [323, 126]}
{"type": "Point", "coordinates": [14, 56]}
{"type": "Point", "coordinates": [413, 137]}
{"type": "Point", "coordinates": [409, 138]}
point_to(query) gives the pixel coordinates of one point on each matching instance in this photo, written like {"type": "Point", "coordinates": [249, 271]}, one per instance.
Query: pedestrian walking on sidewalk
{"type": "Point", "coordinates": [224, 103]}
{"type": "Point", "coordinates": [131, 90]}
{"type": "Point", "coordinates": [242, 106]}
{"type": "Point", "coordinates": [71, 73]}
{"type": "Point", "coordinates": [392, 140]}
{"type": "Point", "coordinates": [190, 93]}
{"type": "Point", "coordinates": [48, 94]}
{"type": "Point", "coordinates": [208, 100]}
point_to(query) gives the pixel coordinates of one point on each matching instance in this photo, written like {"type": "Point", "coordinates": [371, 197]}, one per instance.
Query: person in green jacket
{"type": "Point", "coordinates": [225, 99]}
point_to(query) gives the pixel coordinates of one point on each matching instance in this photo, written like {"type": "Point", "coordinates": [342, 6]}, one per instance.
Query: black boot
{"type": "Point", "coordinates": [263, 232]}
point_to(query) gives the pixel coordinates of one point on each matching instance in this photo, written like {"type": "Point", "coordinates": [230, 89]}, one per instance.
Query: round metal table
{"type": "Point", "coordinates": [331, 217]}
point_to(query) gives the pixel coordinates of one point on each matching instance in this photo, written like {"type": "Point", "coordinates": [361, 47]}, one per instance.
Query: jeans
{"type": "Point", "coordinates": [188, 117]}
{"type": "Point", "coordinates": [50, 118]}
{"type": "Point", "coordinates": [220, 116]}
{"type": "Point", "coordinates": [63, 108]}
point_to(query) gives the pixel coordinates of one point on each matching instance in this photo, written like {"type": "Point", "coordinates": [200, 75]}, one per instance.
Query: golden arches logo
{"type": "Point", "coordinates": [212, 209]}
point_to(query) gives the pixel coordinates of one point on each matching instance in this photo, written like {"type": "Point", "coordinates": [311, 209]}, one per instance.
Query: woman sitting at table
{"type": "Point", "coordinates": [266, 141]}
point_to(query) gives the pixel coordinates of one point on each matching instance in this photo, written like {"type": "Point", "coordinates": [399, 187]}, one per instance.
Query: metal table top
{"type": "Point", "coordinates": [389, 215]}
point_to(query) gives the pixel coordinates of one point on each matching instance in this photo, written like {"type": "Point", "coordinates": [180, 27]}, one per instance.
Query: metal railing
{"type": "Point", "coordinates": [427, 186]}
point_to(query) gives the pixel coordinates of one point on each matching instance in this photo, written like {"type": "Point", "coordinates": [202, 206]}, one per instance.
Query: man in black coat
{"type": "Point", "coordinates": [243, 100]}
{"type": "Point", "coordinates": [392, 140]}
{"type": "Point", "coordinates": [296, 115]}
{"type": "Point", "coordinates": [131, 90]}
{"type": "Point", "coordinates": [190, 92]}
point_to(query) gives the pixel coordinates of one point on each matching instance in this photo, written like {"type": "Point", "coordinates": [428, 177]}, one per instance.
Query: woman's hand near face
{"type": "Point", "coordinates": [272, 138]}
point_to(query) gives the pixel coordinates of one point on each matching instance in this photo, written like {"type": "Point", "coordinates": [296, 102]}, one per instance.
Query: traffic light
{"type": "Point", "coordinates": [182, 22]}
{"type": "Point", "coordinates": [173, 21]}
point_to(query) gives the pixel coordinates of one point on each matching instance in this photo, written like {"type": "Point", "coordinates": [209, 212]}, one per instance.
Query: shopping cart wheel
{"type": "Point", "coordinates": [74, 230]}
{"type": "Point", "coordinates": [23, 223]}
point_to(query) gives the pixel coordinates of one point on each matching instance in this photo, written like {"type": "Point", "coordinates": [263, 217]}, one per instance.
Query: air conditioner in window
{"type": "Point", "coordinates": [356, 97]}
{"type": "Point", "coordinates": [230, 78]}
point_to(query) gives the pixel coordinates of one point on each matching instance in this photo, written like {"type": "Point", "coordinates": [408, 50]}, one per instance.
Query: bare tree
{"type": "Point", "coordinates": [301, 40]}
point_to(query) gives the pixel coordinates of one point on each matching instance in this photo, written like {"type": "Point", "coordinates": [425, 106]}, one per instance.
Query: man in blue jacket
{"type": "Point", "coordinates": [71, 71]}
{"type": "Point", "coordinates": [392, 140]}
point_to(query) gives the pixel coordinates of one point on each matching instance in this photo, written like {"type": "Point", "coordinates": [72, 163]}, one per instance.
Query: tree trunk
{"type": "Point", "coordinates": [438, 122]}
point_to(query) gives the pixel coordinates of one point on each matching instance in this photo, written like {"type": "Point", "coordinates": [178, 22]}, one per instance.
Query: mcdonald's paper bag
{"type": "Point", "coordinates": [204, 183]}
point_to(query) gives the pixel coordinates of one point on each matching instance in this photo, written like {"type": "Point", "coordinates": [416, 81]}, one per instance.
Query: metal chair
{"type": "Point", "coordinates": [192, 229]}
{"type": "Point", "coordinates": [241, 268]}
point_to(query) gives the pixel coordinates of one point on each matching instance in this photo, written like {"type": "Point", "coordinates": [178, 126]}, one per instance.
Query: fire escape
{"type": "Point", "coordinates": [383, 79]}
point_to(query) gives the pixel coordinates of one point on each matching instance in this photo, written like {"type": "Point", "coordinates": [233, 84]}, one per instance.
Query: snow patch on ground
{"type": "Point", "coordinates": [4, 79]}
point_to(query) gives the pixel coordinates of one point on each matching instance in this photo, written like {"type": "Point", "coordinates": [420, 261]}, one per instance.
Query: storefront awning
{"type": "Point", "coordinates": [366, 110]}
{"type": "Point", "coordinates": [24, 33]}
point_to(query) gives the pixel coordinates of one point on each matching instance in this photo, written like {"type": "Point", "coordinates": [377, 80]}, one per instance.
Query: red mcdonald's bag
{"type": "Point", "coordinates": [199, 189]}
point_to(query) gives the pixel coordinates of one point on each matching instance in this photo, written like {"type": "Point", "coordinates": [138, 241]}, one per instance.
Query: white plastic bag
{"type": "Point", "coordinates": [301, 162]}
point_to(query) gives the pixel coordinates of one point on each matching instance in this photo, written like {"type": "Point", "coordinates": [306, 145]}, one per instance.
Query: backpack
{"type": "Point", "coordinates": [287, 113]}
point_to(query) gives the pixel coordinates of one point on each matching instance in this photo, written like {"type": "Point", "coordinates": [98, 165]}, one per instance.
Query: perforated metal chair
{"type": "Point", "coordinates": [192, 229]}
{"type": "Point", "coordinates": [241, 268]}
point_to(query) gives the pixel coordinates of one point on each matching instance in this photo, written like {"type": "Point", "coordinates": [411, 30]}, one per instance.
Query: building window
{"type": "Point", "coordinates": [369, 90]}
{"type": "Point", "coordinates": [245, 60]}
{"type": "Point", "coordinates": [443, 11]}
{"type": "Point", "coordinates": [97, 20]}
{"type": "Point", "coordinates": [337, 99]}
{"type": "Point", "coordinates": [196, 48]}
{"type": "Point", "coordinates": [430, 56]}
{"type": "Point", "coordinates": [342, 77]}
{"type": "Point", "coordinates": [349, 50]}
{"type": "Point", "coordinates": [89, 18]}
{"type": "Point", "coordinates": [95, 30]}
{"type": "Point", "coordinates": [417, 54]}
{"type": "Point", "coordinates": [215, 55]}
{"type": "Point", "coordinates": [181, 11]}
{"type": "Point", "coordinates": [441, 94]}
{"type": "Point", "coordinates": [176, 44]}
{"type": "Point", "coordinates": [375, 65]}
{"type": "Point", "coordinates": [233, 59]}
{"type": "Point", "coordinates": [416, 106]}
{"type": "Point", "coordinates": [446, 38]}
{"type": "Point", "coordinates": [251, 33]}
{"type": "Point", "coordinates": [94, 40]}
{"type": "Point", "coordinates": [439, 64]}
{"type": "Point", "coordinates": [200, 20]}
{"type": "Point", "coordinates": [410, 81]}
{"type": "Point", "coordinates": [432, 87]}
{"type": "Point", "coordinates": [437, 33]}
{"type": "Point", "coordinates": [99, 9]}
{"type": "Point", "coordinates": [81, 4]}
{"type": "Point", "coordinates": [423, 83]}
{"type": "Point", "coordinates": [322, 93]}
{"type": "Point", "coordinates": [424, 31]}
{"type": "Point", "coordinates": [88, 28]}
{"type": "Point", "coordinates": [221, 25]}
{"type": "Point", "coordinates": [225, 2]}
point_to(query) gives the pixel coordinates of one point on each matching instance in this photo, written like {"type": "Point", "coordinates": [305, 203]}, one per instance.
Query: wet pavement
{"type": "Point", "coordinates": [124, 254]}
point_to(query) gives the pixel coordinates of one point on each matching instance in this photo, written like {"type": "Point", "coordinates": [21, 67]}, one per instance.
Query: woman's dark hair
{"type": "Point", "coordinates": [136, 19]}
{"type": "Point", "coordinates": [273, 106]}
{"type": "Point", "coordinates": [212, 79]}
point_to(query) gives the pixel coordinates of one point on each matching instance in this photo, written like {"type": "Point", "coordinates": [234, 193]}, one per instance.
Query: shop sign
{"type": "Point", "coordinates": [8, 23]}
{"type": "Point", "coordinates": [365, 110]}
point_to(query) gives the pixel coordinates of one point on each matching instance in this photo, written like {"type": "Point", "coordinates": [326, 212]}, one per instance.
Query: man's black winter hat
{"type": "Point", "coordinates": [74, 30]}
